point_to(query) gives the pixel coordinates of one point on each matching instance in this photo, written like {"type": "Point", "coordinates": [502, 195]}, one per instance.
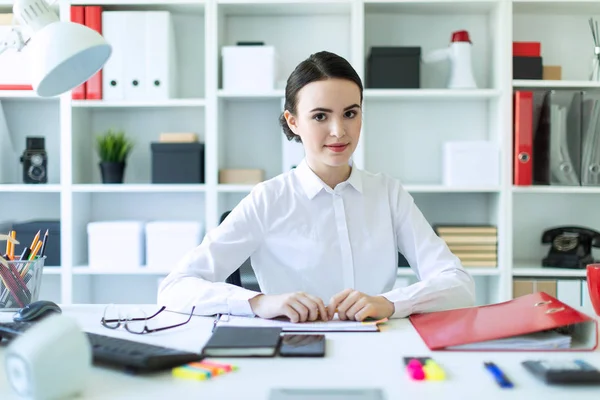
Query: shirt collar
{"type": "Point", "coordinates": [312, 184]}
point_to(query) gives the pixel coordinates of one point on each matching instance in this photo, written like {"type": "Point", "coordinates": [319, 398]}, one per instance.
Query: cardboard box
{"type": "Point", "coordinates": [552, 72]}
{"type": "Point", "coordinates": [178, 137]}
{"type": "Point", "coordinates": [247, 176]}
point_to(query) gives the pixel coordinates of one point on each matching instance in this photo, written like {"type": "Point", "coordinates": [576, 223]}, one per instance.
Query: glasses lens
{"type": "Point", "coordinates": [136, 320]}
{"type": "Point", "coordinates": [111, 316]}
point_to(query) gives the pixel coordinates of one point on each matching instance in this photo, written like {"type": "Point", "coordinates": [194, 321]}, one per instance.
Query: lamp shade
{"type": "Point", "coordinates": [64, 55]}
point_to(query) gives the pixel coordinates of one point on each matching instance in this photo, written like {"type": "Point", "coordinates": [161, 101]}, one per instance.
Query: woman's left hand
{"type": "Point", "coordinates": [357, 306]}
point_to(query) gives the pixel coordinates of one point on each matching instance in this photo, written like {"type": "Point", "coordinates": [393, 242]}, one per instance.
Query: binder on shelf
{"type": "Point", "coordinates": [590, 139]}
{"type": "Point", "coordinates": [134, 43]}
{"type": "Point", "coordinates": [114, 28]}
{"type": "Point", "coordinates": [539, 322]}
{"type": "Point", "coordinates": [93, 19]}
{"type": "Point", "coordinates": [557, 141]}
{"type": "Point", "coordinates": [161, 57]}
{"type": "Point", "coordinates": [78, 16]}
{"type": "Point", "coordinates": [523, 138]}
{"type": "Point", "coordinates": [143, 64]}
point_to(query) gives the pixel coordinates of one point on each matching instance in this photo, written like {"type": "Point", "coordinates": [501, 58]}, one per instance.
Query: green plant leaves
{"type": "Point", "coordinates": [113, 146]}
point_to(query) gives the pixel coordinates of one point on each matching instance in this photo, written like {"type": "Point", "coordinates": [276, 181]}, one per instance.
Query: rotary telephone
{"type": "Point", "coordinates": [570, 246]}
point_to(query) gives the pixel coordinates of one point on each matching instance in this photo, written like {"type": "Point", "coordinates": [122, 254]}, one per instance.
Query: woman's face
{"type": "Point", "coordinates": [328, 119]}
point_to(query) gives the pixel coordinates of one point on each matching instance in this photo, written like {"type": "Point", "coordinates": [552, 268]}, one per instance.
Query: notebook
{"type": "Point", "coordinates": [335, 325]}
{"type": "Point", "coordinates": [229, 341]}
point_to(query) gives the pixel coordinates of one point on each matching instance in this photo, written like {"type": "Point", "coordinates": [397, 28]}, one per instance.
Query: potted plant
{"type": "Point", "coordinates": [113, 148]}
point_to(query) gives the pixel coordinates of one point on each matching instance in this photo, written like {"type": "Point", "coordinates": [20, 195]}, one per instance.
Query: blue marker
{"type": "Point", "coordinates": [499, 376]}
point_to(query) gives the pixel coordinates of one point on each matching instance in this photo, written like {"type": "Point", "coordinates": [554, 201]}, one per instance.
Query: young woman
{"type": "Point", "coordinates": [325, 236]}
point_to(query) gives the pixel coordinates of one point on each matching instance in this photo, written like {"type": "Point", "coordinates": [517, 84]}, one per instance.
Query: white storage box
{"type": "Point", "coordinates": [114, 245]}
{"type": "Point", "coordinates": [249, 68]}
{"type": "Point", "coordinates": [168, 241]}
{"type": "Point", "coordinates": [471, 163]}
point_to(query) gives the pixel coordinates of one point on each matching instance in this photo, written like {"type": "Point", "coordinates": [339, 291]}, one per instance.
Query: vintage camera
{"type": "Point", "coordinates": [35, 161]}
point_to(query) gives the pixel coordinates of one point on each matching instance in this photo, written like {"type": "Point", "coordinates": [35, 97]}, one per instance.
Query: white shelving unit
{"type": "Point", "coordinates": [403, 130]}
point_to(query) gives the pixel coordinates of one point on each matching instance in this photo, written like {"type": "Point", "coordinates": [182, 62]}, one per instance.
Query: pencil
{"type": "Point", "coordinates": [35, 239]}
{"type": "Point", "coordinates": [13, 235]}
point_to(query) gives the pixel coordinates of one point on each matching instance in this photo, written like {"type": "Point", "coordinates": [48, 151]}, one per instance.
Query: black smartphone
{"type": "Point", "coordinates": [293, 345]}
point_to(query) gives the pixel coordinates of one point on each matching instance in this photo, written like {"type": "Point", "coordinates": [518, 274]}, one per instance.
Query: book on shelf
{"type": "Point", "coordinates": [474, 245]}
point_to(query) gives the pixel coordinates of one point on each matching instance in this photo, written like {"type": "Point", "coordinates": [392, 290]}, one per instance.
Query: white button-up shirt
{"type": "Point", "coordinates": [302, 235]}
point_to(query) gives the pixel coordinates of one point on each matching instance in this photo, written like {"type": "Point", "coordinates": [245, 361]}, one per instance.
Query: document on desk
{"type": "Point", "coordinates": [335, 325]}
{"type": "Point", "coordinates": [550, 340]}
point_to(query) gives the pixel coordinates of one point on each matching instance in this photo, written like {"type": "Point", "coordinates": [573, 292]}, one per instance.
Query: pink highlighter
{"type": "Point", "coordinates": [414, 369]}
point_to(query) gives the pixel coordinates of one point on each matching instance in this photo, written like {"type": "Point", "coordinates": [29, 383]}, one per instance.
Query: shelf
{"type": "Point", "coordinates": [233, 188]}
{"type": "Point", "coordinates": [483, 271]}
{"type": "Point", "coordinates": [138, 104]}
{"type": "Point", "coordinates": [183, 6]}
{"type": "Point", "coordinates": [532, 83]}
{"type": "Point", "coordinates": [430, 94]}
{"type": "Point", "coordinates": [560, 7]}
{"type": "Point", "coordinates": [430, 6]}
{"type": "Point", "coordinates": [139, 188]}
{"type": "Point", "coordinates": [284, 7]}
{"type": "Point", "coordinates": [23, 94]}
{"type": "Point", "coordinates": [52, 270]}
{"type": "Point", "coordinates": [33, 188]}
{"type": "Point", "coordinates": [530, 269]}
{"type": "Point", "coordinates": [557, 189]}
{"type": "Point", "coordinates": [274, 94]}
{"type": "Point", "coordinates": [84, 270]}
{"type": "Point", "coordinates": [450, 189]}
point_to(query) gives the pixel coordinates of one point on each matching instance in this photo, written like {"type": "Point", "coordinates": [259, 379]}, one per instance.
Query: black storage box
{"type": "Point", "coordinates": [177, 162]}
{"type": "Point", "coordinates": [528, 68]}
{"type": "Point", "coordinates": [26, 231]}
{"type": "Point", "coordinates": [394, 68]}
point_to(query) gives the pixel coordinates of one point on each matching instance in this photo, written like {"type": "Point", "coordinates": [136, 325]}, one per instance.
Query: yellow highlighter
{"type": "Point", "coordinates": [187, 372]}
{"type": "Point", "coordinates": [433, 372]}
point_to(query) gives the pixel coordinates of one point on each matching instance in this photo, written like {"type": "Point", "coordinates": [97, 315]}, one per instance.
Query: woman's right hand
{"type": "Point", "coordinates": [297, 306]}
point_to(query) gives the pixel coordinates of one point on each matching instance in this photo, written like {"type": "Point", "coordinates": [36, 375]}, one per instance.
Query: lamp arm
{"type": "Point", "coordinates": [14, 40]}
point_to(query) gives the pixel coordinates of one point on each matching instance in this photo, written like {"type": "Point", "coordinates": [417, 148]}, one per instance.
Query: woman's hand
{"type": "Point", "coordinates": [357, 306]}
{"type": "Point", "coordinates": [298, 307]}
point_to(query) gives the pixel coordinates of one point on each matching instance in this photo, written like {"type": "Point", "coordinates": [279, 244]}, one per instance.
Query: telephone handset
{"type": "Point", "coordinates": [571, 246]}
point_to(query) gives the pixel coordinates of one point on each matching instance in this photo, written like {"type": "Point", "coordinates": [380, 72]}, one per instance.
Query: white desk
{"type": "Point", "coordinates": [352, 360]}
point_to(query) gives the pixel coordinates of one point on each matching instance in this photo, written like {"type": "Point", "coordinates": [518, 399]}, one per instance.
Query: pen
{"type": "Point", "coordinates": [44, 241]}
{"type": "Point", "coordinates": [499, 376]}
{"type": "Point", "coordinates": [217, 317]}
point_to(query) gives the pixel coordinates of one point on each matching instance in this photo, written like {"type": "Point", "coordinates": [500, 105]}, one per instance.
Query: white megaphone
{"type": "Point", "coordinates": [459, 54]}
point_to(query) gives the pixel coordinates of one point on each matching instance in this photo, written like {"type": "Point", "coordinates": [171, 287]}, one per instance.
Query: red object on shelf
{"type": "Point", "coordinates": [16, 87]}
{"type": "Point", "coordinates": [527, 49]}
{"type": "Point", "coordinates": [93, 20]}
{"type": "Point", "coordinates": [460, 36]}
{"type": "Point", "coordinates": [523, 138]}
{"type": "Point", "coordinates": [78, 16]}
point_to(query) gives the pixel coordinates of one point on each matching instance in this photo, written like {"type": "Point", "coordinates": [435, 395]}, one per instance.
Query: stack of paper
{"type": "Point", "coordinates": [334, 325]}
{"type": "Point", "coordinates": [548, 340]}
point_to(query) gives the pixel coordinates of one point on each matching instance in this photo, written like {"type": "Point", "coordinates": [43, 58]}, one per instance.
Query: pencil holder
{"type": "Point", "coordinates": [20, 282]}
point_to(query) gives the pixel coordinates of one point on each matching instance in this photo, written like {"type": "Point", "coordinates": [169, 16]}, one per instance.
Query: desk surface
{"type": "Point", "coordinates": [352, 360]}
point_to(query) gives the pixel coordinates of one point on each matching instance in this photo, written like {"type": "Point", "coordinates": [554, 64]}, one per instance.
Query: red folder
{"type": "Point", "coordinates": [533, 313]}
{"type": "Point", "coordinates": [93, 19]}
{"type": "Point", "coordinates": [78, 16]}
{"type": "Point", "coordinates": [523, 138]}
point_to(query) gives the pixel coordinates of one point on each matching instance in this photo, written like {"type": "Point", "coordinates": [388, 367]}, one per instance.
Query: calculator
{"type": "Point", "coordinates": [563, 371]}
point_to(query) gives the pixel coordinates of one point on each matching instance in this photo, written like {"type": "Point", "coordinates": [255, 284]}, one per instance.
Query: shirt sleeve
{"type": "Point", "coordinates": [443, 282]}
{"type": "Point", "coordinates": [199, 277]}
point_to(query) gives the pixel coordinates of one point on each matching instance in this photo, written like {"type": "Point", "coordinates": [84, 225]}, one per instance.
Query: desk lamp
{"type": "Point", "coordinates": [63, 55]}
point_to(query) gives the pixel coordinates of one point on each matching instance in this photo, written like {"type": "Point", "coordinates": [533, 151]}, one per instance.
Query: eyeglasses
{"type": "Point", "coordinates": [134, 320]}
